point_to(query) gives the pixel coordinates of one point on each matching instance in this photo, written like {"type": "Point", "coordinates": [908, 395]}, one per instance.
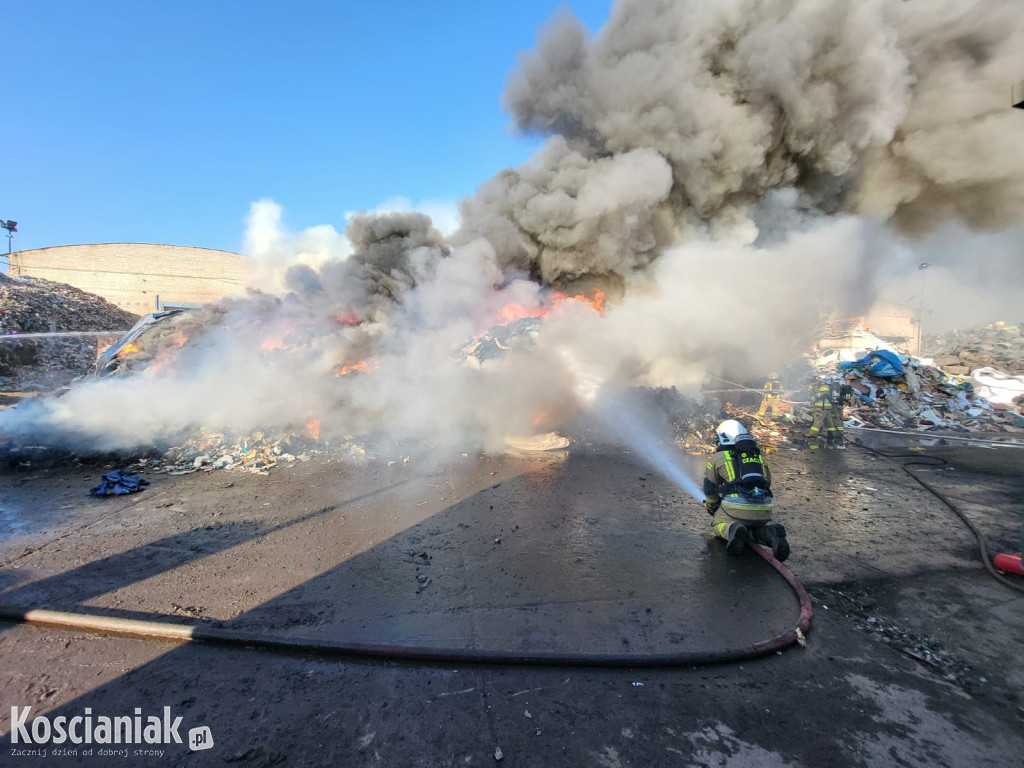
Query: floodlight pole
{"type": "Point", "coordinates": [1017, 100]}
{"type": "Point", "coordinates": [920, 311]}
{"type": "Point", "coordinates": [11, 227]}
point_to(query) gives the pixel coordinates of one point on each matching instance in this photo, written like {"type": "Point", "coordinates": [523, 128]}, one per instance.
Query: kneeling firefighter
{"type": "Point", "coordinates": [738, 493]}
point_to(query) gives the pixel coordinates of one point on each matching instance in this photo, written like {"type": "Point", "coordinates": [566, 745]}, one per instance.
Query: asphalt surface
{"type": "Point", "coordinates": [913, 658]}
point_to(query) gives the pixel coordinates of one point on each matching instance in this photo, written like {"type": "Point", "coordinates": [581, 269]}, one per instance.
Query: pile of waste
{"type": "Point", "coordinates": [981, 391]}
{"type": "Point", "coordinates": [33, 305]}
{"type": "Point", "coordinates": [893, 390]}
{"type": "Point", "coordinates": [926, 398]}
{"type": "Point", "coordinates": [257, 452]}
{"type": "Point", "coordinates": [203, 450]}
{"type": "Point", "coordinates": [996, 345]}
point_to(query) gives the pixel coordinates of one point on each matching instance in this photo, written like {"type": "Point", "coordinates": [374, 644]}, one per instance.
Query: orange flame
{"type": "Point", "coordinates": [346, 318]}
{"type": "Point", "coordinates": [596, 301]}
{"type": "Point", "coordinates": [511, 312]}
{"type": "Point", "coordinates": [361, 367]}
{"type": "Point", "coordinates": [313, 428]}
{"type": "Point", "coordinates": [163, 361]}
{"type": "Point", "coordinates": [269, 345]}
{"type": "Point", "coordinates": [128, 349]}
{"type": "Point", "coordinates": [539, 418]}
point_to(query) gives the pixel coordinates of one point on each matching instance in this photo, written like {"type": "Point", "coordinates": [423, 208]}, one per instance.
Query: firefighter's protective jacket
{"type": "Point", "coordinates": [724, 486]}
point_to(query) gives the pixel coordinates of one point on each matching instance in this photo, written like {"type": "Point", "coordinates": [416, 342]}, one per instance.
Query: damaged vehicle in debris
{"type": "Point", "coordinates": [139, 347]}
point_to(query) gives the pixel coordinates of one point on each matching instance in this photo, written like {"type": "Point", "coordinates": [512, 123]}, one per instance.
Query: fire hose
{"type": "Point", "coordinates": [938, 461]}
{"type": "Point", "coordinates": [165, 630]}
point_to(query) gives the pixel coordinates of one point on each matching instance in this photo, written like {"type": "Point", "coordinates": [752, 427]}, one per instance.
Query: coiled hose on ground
{"type": "Point", "coordinates": [937, 461]}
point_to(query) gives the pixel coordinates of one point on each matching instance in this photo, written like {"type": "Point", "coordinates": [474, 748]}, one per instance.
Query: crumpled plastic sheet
{"type": "Point", "coordinates": [996, 386]}
{"type": "Point", "coordinates": [119, 482]}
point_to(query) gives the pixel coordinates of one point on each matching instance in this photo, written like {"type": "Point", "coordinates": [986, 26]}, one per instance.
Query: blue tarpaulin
{"type": "Point", "coordinates": [881, 363]}
{"type": "Point", "coordinates": [119, 482]}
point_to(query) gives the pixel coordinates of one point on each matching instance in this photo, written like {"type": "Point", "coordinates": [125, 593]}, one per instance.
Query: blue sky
{"type": "Point", "coordinates": [162, 122]}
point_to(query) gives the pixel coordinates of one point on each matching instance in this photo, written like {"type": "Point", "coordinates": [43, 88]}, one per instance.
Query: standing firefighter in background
{"type": "Point", "coordinates": [772, 396]}
{"type": "Point", "coordinates": [823, 425]}
{"type": "Point", "coordinates": [839, 393]}
{"type": "Point", "coordinates": [738, 493]}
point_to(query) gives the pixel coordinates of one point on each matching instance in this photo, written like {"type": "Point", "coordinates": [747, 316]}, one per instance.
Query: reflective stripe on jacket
{"type": "Point", "coordinates": [719, 472]}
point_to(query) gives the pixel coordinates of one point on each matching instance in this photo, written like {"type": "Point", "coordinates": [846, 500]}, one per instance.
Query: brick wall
{"type": "Point", "coordinates": [135, 275]}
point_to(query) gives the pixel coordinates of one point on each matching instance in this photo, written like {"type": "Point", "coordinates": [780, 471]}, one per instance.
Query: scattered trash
{"type": "Point", "coordinates": [498, 755]}
{"type": "Point", "coordinates": [119, 482]}
{"type": "Point", "coordinates": [526, 713]}
{"type": "Point", "coordinates": [638, 685]}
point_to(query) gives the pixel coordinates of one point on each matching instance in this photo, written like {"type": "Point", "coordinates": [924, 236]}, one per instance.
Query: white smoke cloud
{"type": "Point", "coordinates": [272, 249]}
{"type": "Point", "coordinates": [972, 278]}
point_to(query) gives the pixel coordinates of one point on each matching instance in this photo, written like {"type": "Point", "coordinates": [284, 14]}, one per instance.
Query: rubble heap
{"type": "Point", "coordinates": [973, 393]}
{"type": "Point", "coordinates": [926, 399]}
{"type": "Point", "coordinates": [894, 390]}
{"type": "Point", "coordinates": [257, 452]}
{"type": "Point", "coordinates": [996, 345]}
{"type": "Point", "coordinates": [34, 305]}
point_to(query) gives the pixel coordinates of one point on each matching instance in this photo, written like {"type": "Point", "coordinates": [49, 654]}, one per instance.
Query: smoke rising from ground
{"type": "Point", "coordinates": [729, 173]}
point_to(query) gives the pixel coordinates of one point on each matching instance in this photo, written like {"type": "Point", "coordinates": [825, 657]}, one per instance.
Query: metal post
{"type": "Point", "coordinates": [920, 312]}
{"type": "Point", "coordinates": [1017, 100]}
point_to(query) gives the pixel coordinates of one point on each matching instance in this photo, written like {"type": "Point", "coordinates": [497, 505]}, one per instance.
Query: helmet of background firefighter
{"type": "Point", "coordinates": [731, 432]}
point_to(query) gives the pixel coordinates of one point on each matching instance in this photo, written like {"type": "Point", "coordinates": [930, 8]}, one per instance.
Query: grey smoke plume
{"type": "Point", "coordinates": [894, 109]}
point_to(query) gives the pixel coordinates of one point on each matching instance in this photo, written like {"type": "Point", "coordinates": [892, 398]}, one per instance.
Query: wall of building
{"type": "Point", "coordinates": [138, 276]}
{"type": "Point", "coordinates": [895, 323]}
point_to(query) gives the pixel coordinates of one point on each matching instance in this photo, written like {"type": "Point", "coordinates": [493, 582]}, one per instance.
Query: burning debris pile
{"type": "Point", "coordinates": [33, 305]}
{"type": "Point", "coordinates": [726, 173]}
{"type": "Point", "coordinates": [152, 345]}
{"type": "Point", "coordinates": [519, 327]}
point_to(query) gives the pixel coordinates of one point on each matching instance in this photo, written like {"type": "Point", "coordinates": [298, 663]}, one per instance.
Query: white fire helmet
{"type": "Point", "coordinates": [731, 432]}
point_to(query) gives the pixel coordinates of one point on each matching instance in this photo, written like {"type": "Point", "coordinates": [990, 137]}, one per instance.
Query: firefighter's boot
{"type": "Point", "coordinates": [773, 535]}
{"type": "Point", "coordinates": [738, 538]}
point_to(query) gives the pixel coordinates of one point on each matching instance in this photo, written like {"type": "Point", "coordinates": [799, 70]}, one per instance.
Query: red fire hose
{"type": "Point", "coordinates": [388, 651]}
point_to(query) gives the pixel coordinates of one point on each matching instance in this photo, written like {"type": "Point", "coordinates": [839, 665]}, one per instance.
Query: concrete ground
{"type": "Point", "coordinates": [913, 659]}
